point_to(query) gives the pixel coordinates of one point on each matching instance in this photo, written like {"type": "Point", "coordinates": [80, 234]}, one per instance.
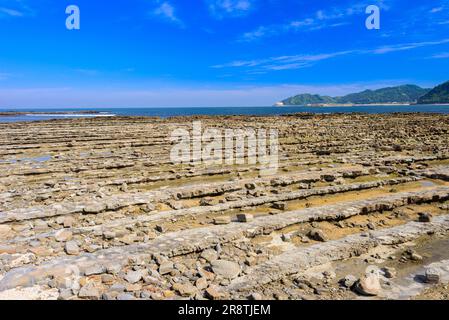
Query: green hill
{"type": "Point", "coordinates": [399, 94]}
{"type": "Point", "coordinates": [304, 99]}
{"type": "Point", "coordinates": [439, 94]}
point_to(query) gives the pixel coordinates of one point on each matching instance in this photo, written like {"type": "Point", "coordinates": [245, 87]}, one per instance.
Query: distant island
{"type": "Point", "coordinates": [399, 95]}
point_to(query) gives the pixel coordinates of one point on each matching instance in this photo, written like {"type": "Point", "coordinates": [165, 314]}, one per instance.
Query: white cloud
{"type": "Point", "coordinates": [229, 8]}
{"type": "Point", "coordinates": [444, 55]}
{"type": "Point", "coordinates": [10, 12]}
{"type": "Point", "coordinates": [321, 19]}
{"type": "Point", "coordinates": [304, 60]}
{"type": "Point", "coordinates": [167, 11]}
{"type": "Point", "coordinates": [435, 10]}
{"type": "Point", "coordinates": [408, 46]}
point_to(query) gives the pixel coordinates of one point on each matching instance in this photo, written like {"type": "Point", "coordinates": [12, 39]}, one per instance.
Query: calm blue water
{"type": "Point", "coordinates": [169, 112]}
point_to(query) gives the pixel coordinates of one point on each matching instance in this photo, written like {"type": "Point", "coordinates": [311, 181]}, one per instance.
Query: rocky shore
{"type": "Point", "coordinates": [94, 208]}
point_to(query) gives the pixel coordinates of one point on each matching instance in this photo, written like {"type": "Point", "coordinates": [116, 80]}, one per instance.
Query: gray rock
{"type": "Point", "coordinates": [89, 291]}
{"type": "Point", "coordinates": [133, 276]}
{"type": "Point", "coordinates": [209, 255]}
{"type": "Point", "coordinates": [348, 281]}
{"type": "Point", "coordinates": [432, 276]}
{"type": "Point", "coordinates": [95, 269]}
{"type": "Point", "coordinates": [63, 235]}
{"type": "Point", "coordinates": [226, 269]}
{"type": "Point", "coordinates": [125, 296]}
{"type": "Point", "coordinates": [117, 287]}
{"type": "Point", "coordinates": [389, 272]}
{"type": "Point", "coordinates": [424, 217]}
{"type": "Point", "coordinates": [317, 235]}
{"type": "Point", "coordinates": [245, 217]}
{"type": "Point", "coordinates": [166, 267]}
{"type": "Point", "coordinates": [279, 206]}
{"type": "Point", "coordinates": [368, 285]}
{"type": "Point", "coordinates": [71, 248]}
{"type": "Point", "coordinates": [222, 220]}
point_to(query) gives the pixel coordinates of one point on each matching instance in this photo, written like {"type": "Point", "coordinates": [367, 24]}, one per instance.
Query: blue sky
{"type": "Point", "coordinates": [140, 53]}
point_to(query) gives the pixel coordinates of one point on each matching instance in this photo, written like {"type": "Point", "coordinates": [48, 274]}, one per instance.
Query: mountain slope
{"type": "Point", "coordinates": [439, 94]}
{"type": "Point", "coordinates": [399, 94]}
{"type": "Point", "coordinates": [304, 99]}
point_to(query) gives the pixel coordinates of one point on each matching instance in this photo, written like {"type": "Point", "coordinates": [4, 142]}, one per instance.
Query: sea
{"type": "Point", "coordinates": [51, 113]}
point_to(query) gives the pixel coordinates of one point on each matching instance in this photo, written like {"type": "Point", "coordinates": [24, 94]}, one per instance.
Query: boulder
{"type": "Point", "coordinates": [369, 285]}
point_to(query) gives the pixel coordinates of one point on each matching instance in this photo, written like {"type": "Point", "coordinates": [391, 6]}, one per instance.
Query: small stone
{"type": "Point", "coordinates": [222, 220]}
{"type": "Point", "coordinates": [68, 222]}
{"type": "Point", "coordinates": [117, 287]}
{"type": "Point", "coordinates": [389, 272]}
{"type": "Point", "coordinates": [416, 257]}
{"type": "Point", "coordinates": [65, 294]}
{"type": "Point", "coordinates": [185, 290]}
{"type": "Point", "coordinates": [63, 235]}
{"type": "Point", "coordinates": [148, 207]}
{"type": "Point", "coordinates": [348, 281]}
{"type": "Point", "coordinates": [107, 279]}
{"type": "Point", "coordinates": [89, 291]}
{"type": "Point", "coordinates": [279, 206]}
{"type": "Point", "coordinates": [368, 285]}
{"type": "Point", "coordinates": [317, 235]}
{"type": "Point", "coordinates": [424, 217]}
{"type": "Point", "coordinates": [166, 268]}
{"type": "Point", "coordinates": [286, 237]}
{"type": "Point", "coordinates": [245, 217]}
{"type": "Point", "coordinates": [109, 235]}
{"type": "Point", "coordinates": [201, 283]}
{"type": "Point", "coordinates": [432, 276]}
{"type": "Point", "coordinates": [95, 269]}
{"type": "Point", "coordinates": [113, 268]}
{"type": "Point", "coordinates": [255, 296]}
{"type": "Point", "coordinates": [209, 255]}
{"type": "Point", "coordinates": [213, 293]}
{"type": "Point", "coordinates": [125, 297]}
{"type": "Point", "coordinates": [160, 228]}
{"type": "Point", "coordinates": [204, 202]}
{"type": "Point", "coordinates": [226, 269]}
{"type": "Point", "coordinates": [250, 186]}
{"type": "Point", "coordinates": [133, 276]}
{"type": "Point", "coordinates": [71, 248]}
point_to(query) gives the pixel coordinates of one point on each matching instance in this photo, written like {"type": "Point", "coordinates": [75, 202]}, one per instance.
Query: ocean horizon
{"type": "Point", "coordinates": [166, 112]}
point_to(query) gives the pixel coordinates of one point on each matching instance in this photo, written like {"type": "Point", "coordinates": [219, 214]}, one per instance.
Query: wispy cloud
{"type": "Point", "coordinates": [408, 46]}
{"type": "Point", "coordinates": [15, 9]}
{"type": "Point", "coordinates": [10, 12]}
{"type": "Point", "coordinates": [321, 19]}
{"type": "Point", "coordinates": [435, 10]}
{"type": "Point", "coordinates": [220, 9]}
{"type": "Point", "coordinates": [283, 62]}
{"type": "Point", "coordinates": [166, 11]}
{"type": "Point", "coordinates": [444, 55]}
{"type": "Point", "coordinates": [303, 61]}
